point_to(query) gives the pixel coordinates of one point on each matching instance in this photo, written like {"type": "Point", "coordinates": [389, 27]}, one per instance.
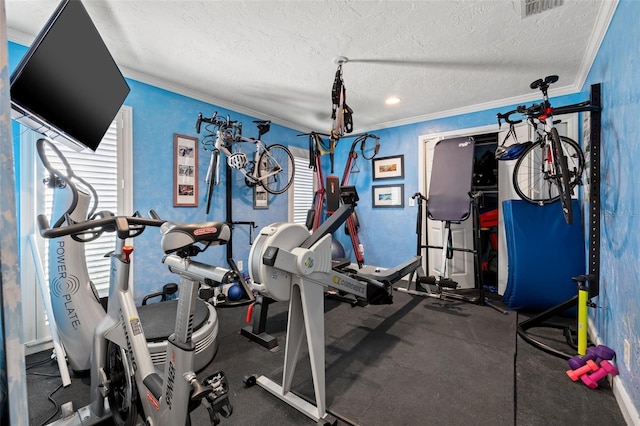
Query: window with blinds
{"type": "Point", "coordinates": [100, 170]}
{"type": "Point", "coordinates": [302, 188]}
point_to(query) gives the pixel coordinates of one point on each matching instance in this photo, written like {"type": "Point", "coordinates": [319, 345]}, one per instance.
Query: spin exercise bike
{"type": "Point", "coordinates": [76, 306]}
{"type": "Point", "coordinates": [123, 376]}
{"type": "Point", "coordinates": [287, 263]}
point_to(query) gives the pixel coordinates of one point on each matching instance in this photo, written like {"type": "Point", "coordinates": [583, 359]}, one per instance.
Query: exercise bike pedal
{"type": "Point", "coordinates": [217, 382]}
{"type": "Point", "coordinates": [218, 397]}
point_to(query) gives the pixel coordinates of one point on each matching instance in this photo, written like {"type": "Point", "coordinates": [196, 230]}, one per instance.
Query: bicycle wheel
{"type": "Point", "coordinates": [276, 169]}
{"type": "Point", "coordinates": [533, 184]}
{"type": "Point", "coordinates": [212, 176]}
{"type": "Point", "coordinates": [562, 176]}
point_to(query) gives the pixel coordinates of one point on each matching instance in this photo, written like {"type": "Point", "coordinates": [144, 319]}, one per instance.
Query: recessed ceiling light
{"type": "Point", "coordinates": [392, 100]}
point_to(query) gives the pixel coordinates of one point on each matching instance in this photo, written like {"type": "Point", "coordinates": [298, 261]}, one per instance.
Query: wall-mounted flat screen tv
{"type": "Point", "coordinates": [67, 86]}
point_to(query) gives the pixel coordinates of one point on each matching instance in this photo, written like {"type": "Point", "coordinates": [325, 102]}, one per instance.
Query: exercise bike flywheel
{"type": "Point", "coordinates": [122, 394]}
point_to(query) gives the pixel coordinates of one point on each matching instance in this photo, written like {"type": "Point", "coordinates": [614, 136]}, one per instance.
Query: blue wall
{"type": "Point", "coordinates": [157, 115]}
{"type": "Point", "coordinates": [388, 235]}
{"type": "Point", "coordinates": [616, 67]}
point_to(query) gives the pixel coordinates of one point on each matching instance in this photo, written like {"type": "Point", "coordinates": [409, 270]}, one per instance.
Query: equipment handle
{"type": "Point", "coordinates": [419, 196]}
{"type": "Point", "coordinates": [68, 178]}
{"type": "Point", "coordinates": [533, 111]}
{"type": "Point", "coordinates": [123, 225]}
{"type": "Point", "coordinates": [211, 120]}
{"type": "Point", "coordinates": [507, 119]}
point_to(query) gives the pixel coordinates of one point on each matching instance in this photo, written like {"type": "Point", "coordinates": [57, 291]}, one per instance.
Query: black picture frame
{"type": "Point", "coordinates": [387, 196]}
{"type": "Point", "coordinates": [185, 171]}
{"type": "Point", "coordinates": [388, 167]}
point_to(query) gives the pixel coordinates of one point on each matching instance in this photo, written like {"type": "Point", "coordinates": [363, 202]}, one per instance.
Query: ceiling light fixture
{"type": "Point", "coordinates": [392, 100]}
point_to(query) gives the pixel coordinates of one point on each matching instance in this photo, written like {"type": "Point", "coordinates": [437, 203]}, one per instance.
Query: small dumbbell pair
{"type": "Point", "coordinates": [594, 353]}
{"type": "Point", "coordinates": [591, 373]}
{"type": "Point", "coordinates": [592, 379]}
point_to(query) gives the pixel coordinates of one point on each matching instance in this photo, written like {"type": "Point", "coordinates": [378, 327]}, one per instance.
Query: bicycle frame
{"type": "Point", "coordinates": [554, 150]}
{"type": "Point", "coordinates": [548, 167]}
{"type": "Point", "coordinates": [554, 164]}
{"type": "Point", "coordinates": [266, 169]}
{"type": "Point", "coordinates": [253, 176]}
{"type": "Point", "coordinates": [164, 402]}
{"type": "Point", "coordinates": [547, 123]}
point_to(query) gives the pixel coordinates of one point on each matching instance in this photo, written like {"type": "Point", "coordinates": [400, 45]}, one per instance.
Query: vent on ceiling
{"type": "Point", "coordinates": [531, 7]}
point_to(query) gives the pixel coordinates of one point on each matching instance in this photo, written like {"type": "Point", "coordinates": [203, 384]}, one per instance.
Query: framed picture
{"type": "Point", "coordinates": [388, 167]}
{"type": "Point", "coordinates": [185, 171]}
{"type": "Point", "coordinates": [260, 198]}
{"type": "Point", "coordinates": [388, 196]}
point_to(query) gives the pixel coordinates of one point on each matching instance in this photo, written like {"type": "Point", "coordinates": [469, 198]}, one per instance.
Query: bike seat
{"type": "Point", "coordinates": [176, 236]}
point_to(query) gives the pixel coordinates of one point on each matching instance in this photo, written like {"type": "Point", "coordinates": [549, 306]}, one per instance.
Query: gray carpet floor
{"type": "Point", "coordinates": [415, 362]}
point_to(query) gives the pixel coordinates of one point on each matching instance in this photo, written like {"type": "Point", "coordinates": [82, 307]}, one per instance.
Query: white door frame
{"type": "Point", "coordinates": [423, 141]}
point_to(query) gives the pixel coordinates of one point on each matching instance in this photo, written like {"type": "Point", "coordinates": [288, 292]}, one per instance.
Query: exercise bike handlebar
{"type": "Point", "coordinates": [124, 226]}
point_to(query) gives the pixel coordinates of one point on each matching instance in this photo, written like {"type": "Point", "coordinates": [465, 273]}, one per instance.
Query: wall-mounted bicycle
{"type": "Point", "coordinates": [548, 169]}
{"type": "Point", "coordinates": [272, 166]}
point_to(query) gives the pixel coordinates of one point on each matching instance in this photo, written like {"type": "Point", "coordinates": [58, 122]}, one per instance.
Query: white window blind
{"type": "Point", "coordinates": [303, 187]}
{"type": "Point", "coordinates": [100, 170]}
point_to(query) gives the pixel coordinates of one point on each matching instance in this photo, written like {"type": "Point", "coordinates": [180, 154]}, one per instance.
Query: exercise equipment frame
{"type": "Point", "coordinates": [594, 108]}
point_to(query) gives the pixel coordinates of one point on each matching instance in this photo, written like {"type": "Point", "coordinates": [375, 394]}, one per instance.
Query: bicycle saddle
{"type": "Point", "coordinates": [178, 236]}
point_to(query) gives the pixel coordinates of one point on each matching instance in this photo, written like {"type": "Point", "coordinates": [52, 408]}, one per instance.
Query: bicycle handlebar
{"type": "Point", "coordinates": [219, 122]}
{"type": "Point", "coordinates": [122, 225]}
{"type": "Point", "coordinates": [507, 119]}
{"type": "Point", "coordinates": [535, 110]}
{"type": "Point", "coordinates": [202, 119]}
{"type": "Point", "coordinates": [531, 112]}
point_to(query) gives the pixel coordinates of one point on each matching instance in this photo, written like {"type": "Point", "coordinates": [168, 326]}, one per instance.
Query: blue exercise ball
{"type": "Point", "coordinates": [235, 292]}
{"type": "Point", "coordinates": [337, 250]}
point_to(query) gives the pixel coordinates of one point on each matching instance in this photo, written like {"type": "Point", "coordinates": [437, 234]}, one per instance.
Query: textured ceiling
{"type": "Point", "coordinates": [275, 59]}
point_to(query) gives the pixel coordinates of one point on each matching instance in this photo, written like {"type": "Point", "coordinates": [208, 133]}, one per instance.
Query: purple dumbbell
{"type": "Point", "coordinates": [594, 353]}
{"type": "Point", "coordinates": [592, 379]}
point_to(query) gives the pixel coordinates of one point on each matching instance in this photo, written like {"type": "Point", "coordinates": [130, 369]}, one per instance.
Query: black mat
{"type": "Point", "coordinates": [158, 319]}
{"type": "Point", "coordinates": [415, 361]}
{"type": "Point", "coordinates": [545, 392]}
{"type": "Point", "coordinates": [419, 361]}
